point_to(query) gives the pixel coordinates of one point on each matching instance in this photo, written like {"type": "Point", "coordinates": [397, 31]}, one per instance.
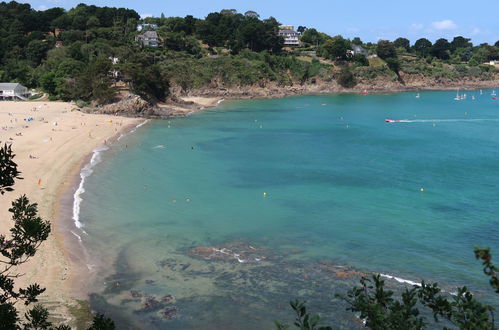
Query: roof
{"type": "Point", "coordinates": [358, 48]}
{"type": "Point", "coordinates": [9, 86]}
{"type": "Point", "coordinates": [288, 32]}
{"type": "Point", "coordinates": [150, 34]}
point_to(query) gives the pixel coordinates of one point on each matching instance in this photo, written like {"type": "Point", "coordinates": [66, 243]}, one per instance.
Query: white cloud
{"type": "Point", "coordinates": [145, 15]}
{"type": "Point", "coordinates": [417, 26]}
{"type": "Point", "coordinates": [475, 31]}
{"type": "Point", "coordinates": [446, 24]}
{"type": "Point", "coordinates": [42, 8]}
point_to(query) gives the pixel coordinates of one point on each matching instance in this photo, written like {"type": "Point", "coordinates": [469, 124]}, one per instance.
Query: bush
{"type": "Point", "coordinates": [346, 78]}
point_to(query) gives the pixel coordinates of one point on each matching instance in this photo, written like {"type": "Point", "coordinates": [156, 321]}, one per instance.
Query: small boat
{"type": "Point", "coordinates": [495, 98]}
{"type": "Point", "coordinates": [392, 120]}
{"type": "Point", "coordinates": [457, 98]}
{"type": "Point", "coordinates": [493, 93]}
{"type": "Point", "coordinates": [417, 96]}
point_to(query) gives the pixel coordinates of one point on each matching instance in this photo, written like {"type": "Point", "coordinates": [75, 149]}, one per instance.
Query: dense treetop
{"type": "Point", "coordinates": [67, 53]}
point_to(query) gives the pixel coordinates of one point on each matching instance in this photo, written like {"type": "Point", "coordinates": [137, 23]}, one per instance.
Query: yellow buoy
{"type": "Point", "coordinates": [264, 194]}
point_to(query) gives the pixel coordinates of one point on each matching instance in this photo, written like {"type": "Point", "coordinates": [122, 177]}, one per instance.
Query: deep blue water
{"type": "Point", "coordinates": [303, 180]}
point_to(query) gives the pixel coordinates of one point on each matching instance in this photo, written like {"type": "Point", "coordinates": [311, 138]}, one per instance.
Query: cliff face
{"type": "Point", "coordinates": [133, 106]}
{"type": "Point", "coordinates": [380, 84]}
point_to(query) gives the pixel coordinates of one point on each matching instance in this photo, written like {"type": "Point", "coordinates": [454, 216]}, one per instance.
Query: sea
{"type": "Point", "coordinates": [218, 220]}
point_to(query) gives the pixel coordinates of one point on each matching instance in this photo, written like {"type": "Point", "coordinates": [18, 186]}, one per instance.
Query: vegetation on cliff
{"type": "Point", "coordinates": [89, 53]}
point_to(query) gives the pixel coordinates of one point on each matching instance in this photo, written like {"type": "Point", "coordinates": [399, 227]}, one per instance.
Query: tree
{"type": "Point", "coordinates": [386, 49]}
{"type": "Point", "coordinates": [312, 36]}
{"type": "Point", "coordinates": [301, 29]}
{"type": "Point", "coordinates": [336, 48]}
{"type": "Point", "coordinates": [460, 42]}
{"type": "Point", "coordinates": [36, 51]}
{"type": "Point", "coordinates": [357, 41]}
{"type": "Point", "coordinates": [402, 43]}
{"type": "Point", "coordinates": [441, 49]}
{"type": "Point", "coordinates": [422, 47]}
{"type": "Point", "coordinates": [251, 13]}
{"type": "Point", "coordinates": [346, 78]}
{"type": "Point", "coordinates": [147, 80]}
{"type": "Point", "coordinates": [26, 236]}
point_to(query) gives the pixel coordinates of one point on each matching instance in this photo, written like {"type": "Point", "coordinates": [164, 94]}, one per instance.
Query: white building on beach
{"type": "Point", "coordinates": [13, 91]}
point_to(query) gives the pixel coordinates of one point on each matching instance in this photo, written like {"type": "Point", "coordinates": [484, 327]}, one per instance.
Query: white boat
{"type": "Point", "coordinates": [457, 98]}
{"type": "Point", "coordinates": [493, 93]}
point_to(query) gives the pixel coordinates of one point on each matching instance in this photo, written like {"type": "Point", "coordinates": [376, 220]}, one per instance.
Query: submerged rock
{"type": "Point", "coordinates": [241, 252]}
{"type": "Point", "coordinates": [150, 303]}
{"type": "Point", "coordinates": [136, 293]}
{"type": "Point", "coordinates": [167, 299]}
{"type": "Point", "coordinates": [340, 271]}
{"type": "Point", "coordinates": [169, 313]}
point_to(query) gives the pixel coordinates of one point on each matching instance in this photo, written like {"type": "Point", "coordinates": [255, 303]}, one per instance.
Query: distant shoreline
{"type": "Point", "coordinates": [204, 98]}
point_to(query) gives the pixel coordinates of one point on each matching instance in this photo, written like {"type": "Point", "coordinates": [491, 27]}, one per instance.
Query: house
{"type": "Point", "coordinates": [359, 50]}
{"type": "Point", "coordinates": [291, 37]}
{"type": "Point", "coordinates": [59, 44]}
{"type": "Point", "coordinates": [147, 27]}
{"type": "Point", "coordinates": [13, 91]}
{"type": "Point", "coordinates": [148, 39]}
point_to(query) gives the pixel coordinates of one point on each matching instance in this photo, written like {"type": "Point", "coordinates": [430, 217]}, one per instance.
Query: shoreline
{"type": "Point", "coordinates": [51, 149]}
{"type": "Point", "coordinates": [206, 98]}
{"type": "Point", "coordinates": [74, 249]}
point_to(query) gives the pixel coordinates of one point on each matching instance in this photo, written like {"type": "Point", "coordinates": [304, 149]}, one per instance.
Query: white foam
{"type": "Point", "coordinates": [133, 129]}
{"type": "Point", "coordinates": [159, 146]}
{"type": "Point", "coordinates": [85, 172]}
{"type": "Point", "coordinates": [400, 280]}
{"type": "Point", "coordinates": [220, 101]}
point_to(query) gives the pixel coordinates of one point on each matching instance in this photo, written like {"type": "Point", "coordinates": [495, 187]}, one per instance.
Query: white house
{"type": "Point", "coordinates": [148, 39]}
{"type": "Point", "coordinates": [13, 91]}
{"type": "Point", "coordinates": [291, 37]}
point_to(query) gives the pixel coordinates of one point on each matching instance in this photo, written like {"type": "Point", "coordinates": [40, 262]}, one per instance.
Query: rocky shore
{"type": "Point", "coordinates": [182, 103]}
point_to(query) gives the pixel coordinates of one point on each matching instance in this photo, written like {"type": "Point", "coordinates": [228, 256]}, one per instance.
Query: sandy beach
{"type": "Point", "coordinates": [51, 140]}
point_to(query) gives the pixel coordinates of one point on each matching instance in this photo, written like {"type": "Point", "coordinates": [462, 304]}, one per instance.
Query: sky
{"type": "Point", "coordinates": [371, 20]}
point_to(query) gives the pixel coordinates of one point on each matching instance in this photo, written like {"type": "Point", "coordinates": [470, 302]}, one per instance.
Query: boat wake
{"type": "Point", "coordinates": [439, 120]}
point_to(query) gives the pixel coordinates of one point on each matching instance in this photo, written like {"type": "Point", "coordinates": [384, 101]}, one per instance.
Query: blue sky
{"type": "Point", "coordinates": [370, 20]}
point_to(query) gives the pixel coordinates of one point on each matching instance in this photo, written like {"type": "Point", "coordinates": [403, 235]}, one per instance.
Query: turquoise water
{"type": "Point", "coordinates": [304, 181]}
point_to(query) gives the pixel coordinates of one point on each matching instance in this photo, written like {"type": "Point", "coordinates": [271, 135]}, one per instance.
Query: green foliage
{"type": "Point", "coordinates": [386, 49]}
{"type": "Point", "coordinates": [422, 47]}
{"type": "Point", "coordinates": [312, 37]}
{"type": "Point", "coordinates": [346, 78]}
{"type": "Point", "coordinates": [393, 64]}
{"type": "Point", "coordinates": [489, 268]}
{"type": "Point", "coordinates": [402, 43]}
{"type": "Point", "coordinates": [441, 49]}
{"type": "Point", "coordinates": [146, 79]}
{"type": "Point", "coordinates": [8, 169]}
{"type": "Point", "coordinates": [336, 48]}
{"type": "Point", "coordinates": [100, 322]}
{"type": "Point", "coordinates": [303, 320]}
{"type": "Point", "coordinates": [360, 59]}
